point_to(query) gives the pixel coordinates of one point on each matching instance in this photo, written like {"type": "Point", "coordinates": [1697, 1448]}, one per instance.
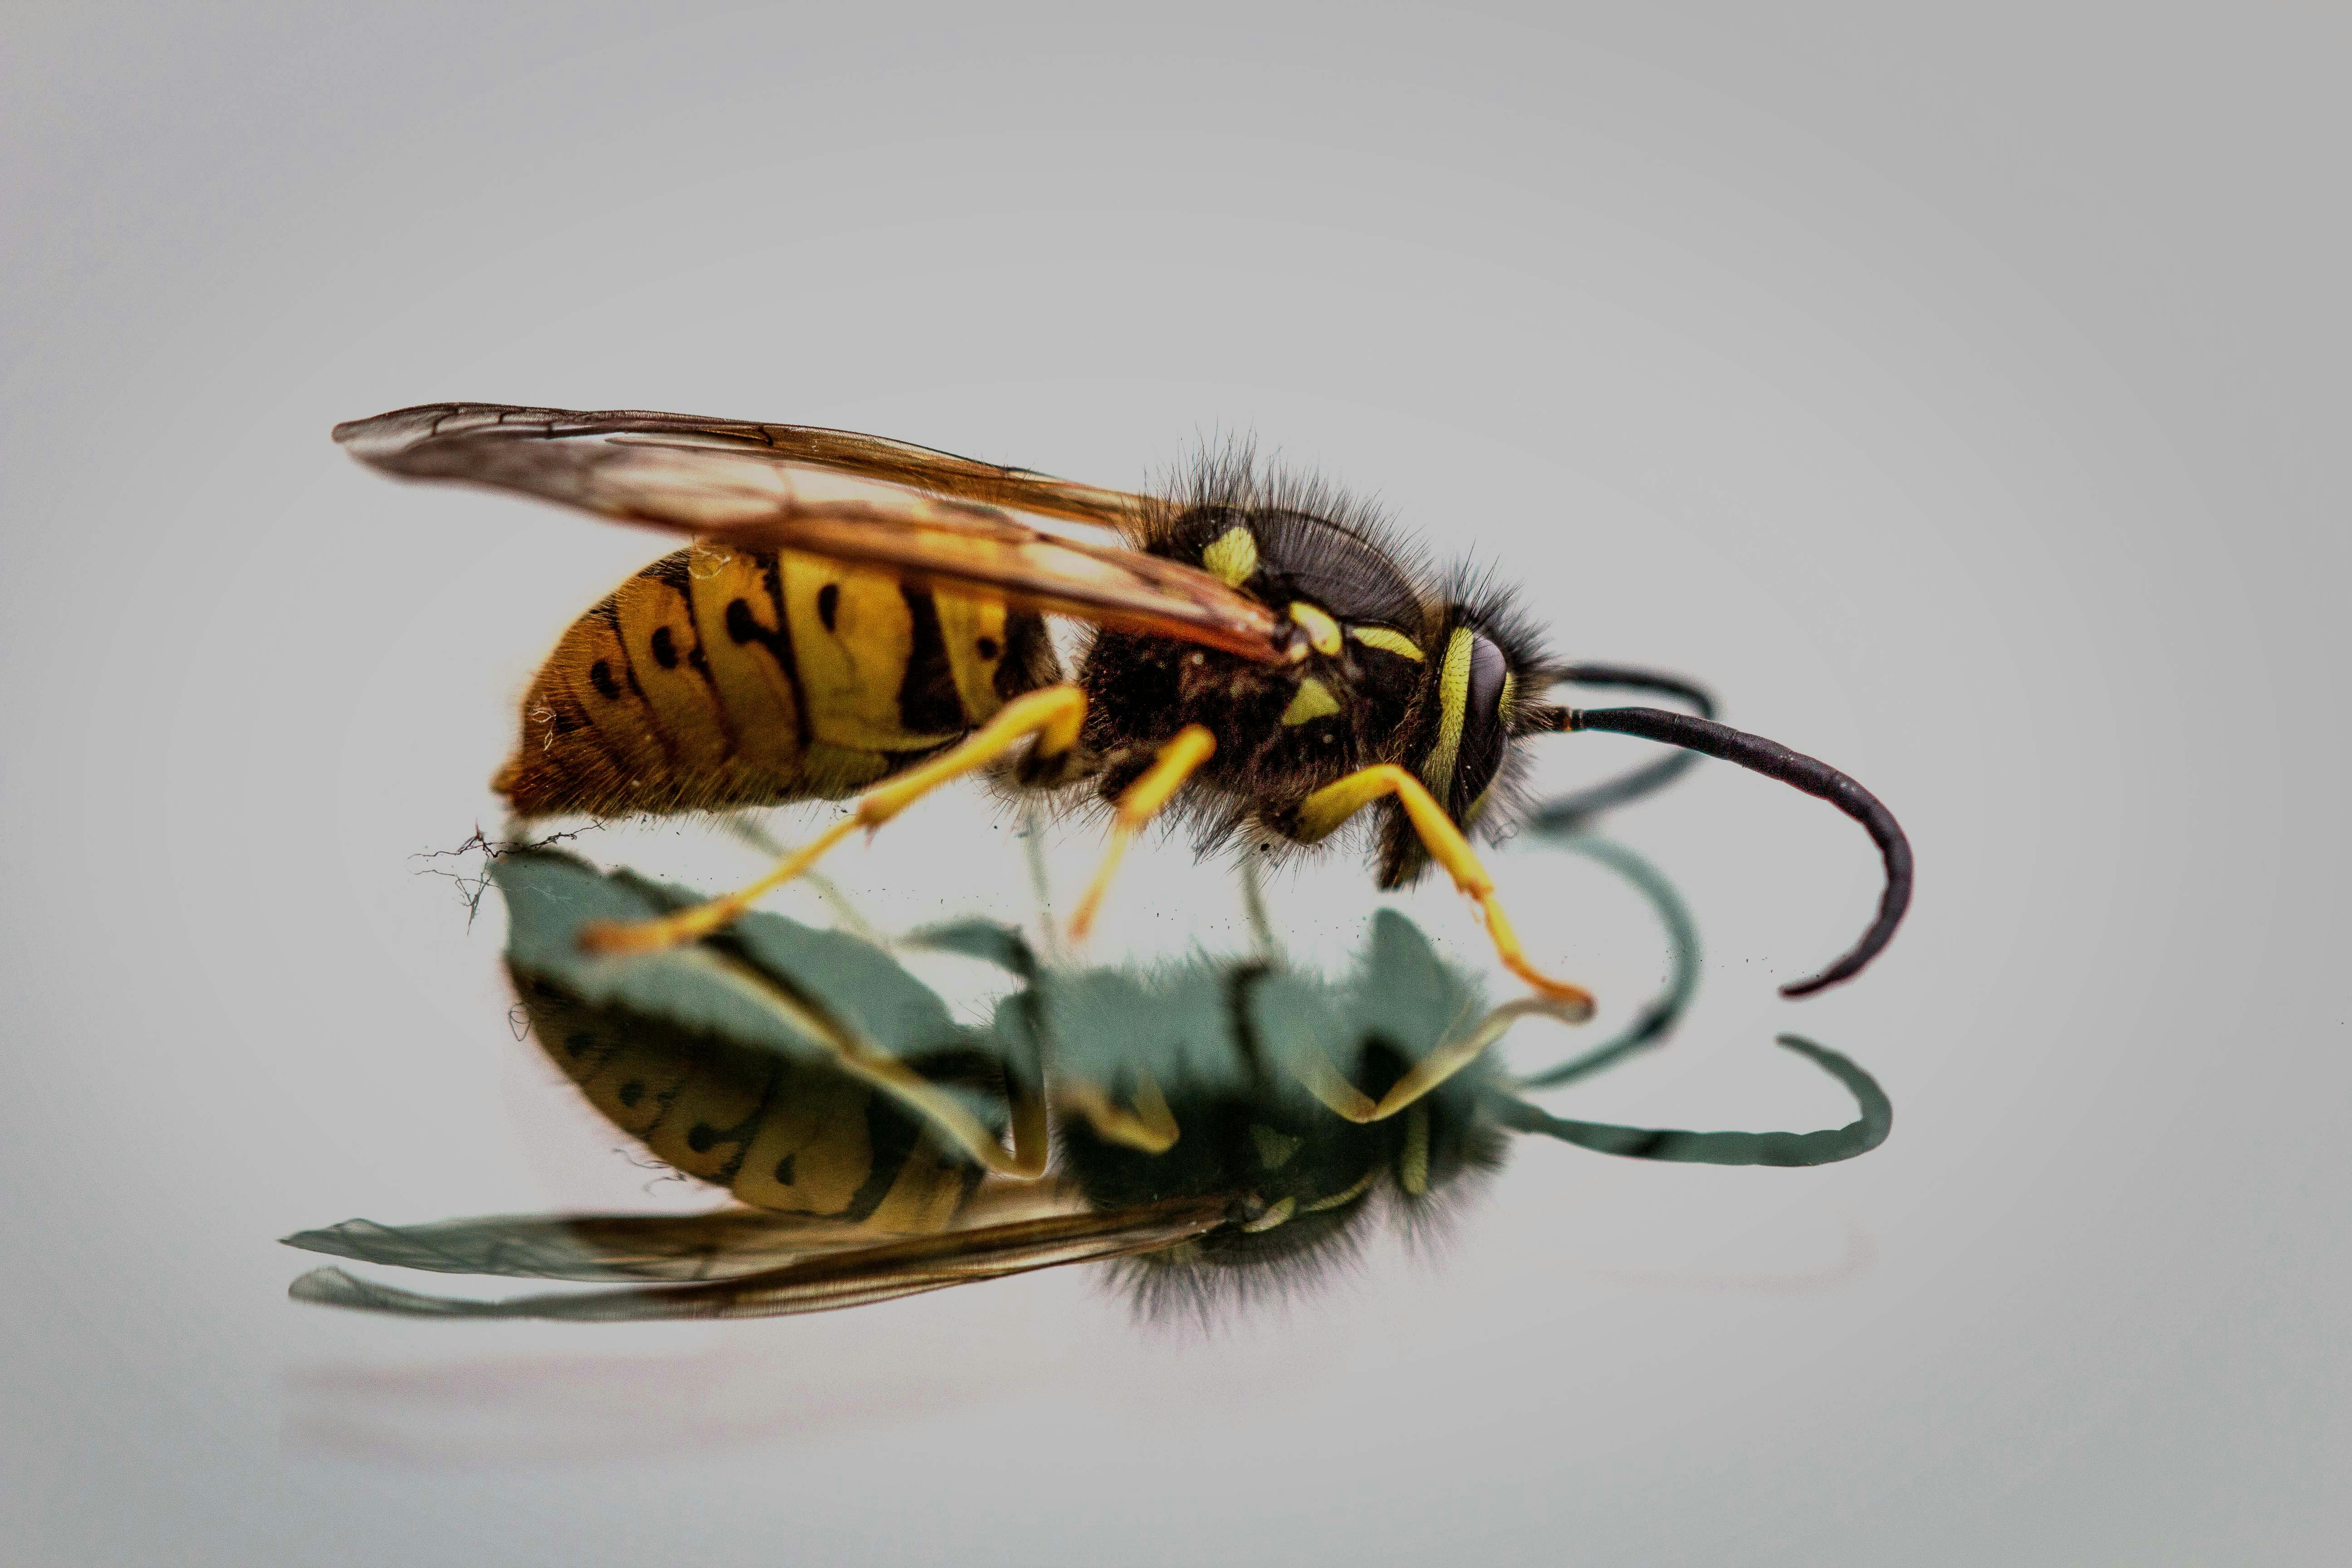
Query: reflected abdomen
{"type": "Point", "coordinates": [797, 1135]}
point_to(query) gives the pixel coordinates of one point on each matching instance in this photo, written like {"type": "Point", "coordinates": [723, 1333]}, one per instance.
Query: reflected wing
{"type": "Point", "coordinates": [723, 1245]}
{"type": "Point", "coordinates": [780, 487]}
{"type": "Point", "coordinates": [819, 1284]}
{"type": "Point", "coordinates": [605, 1247]}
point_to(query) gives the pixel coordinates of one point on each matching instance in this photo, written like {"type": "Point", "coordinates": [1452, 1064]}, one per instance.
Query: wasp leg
{"type": "Point", "coordinates": [1321, 813]}
{"type": "Point", "coordinates": [744, 826]}
{"type": "Point", "coordinates": [862, 1059]}
{"type": "Point", "coordinates": [1151, 1126]}
{"type": "Point", "coordinates": [1178, 761]}
{"type": "Point", "coordinates": [1261, 925]}
{"type": "Point", "coordinates": [1053, 715]}
{"type": "Point", "coordinates": [1325, 1081]}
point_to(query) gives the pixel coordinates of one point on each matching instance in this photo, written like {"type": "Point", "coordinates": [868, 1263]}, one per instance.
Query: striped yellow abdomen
{"type": "Point", "coordinates": [798, 1136]}
{"type": "Point", "coordinates": [716, 678]}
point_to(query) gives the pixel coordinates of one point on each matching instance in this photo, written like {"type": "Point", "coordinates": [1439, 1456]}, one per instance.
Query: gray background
{"type": "Point", "coordinates": [1964, 395]}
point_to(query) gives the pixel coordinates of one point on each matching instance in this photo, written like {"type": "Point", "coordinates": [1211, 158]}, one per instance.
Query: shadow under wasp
{"type": "Point", "coordinates": [1223, 1126]}
{"type": "Point", "coordinates": [1269, 658]}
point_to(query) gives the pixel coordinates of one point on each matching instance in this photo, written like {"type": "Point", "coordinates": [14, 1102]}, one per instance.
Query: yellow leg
{"type": "Point", "coordinates": [1327, 808]}
{"type": "Point", "coordinates": [1178, 760]}
{"type": "Point", "coordinates": [1345, 1099]}
{"type": "Point", "coordinates": [1053, 715]}
{"type": "Point", "coordinates": [1027, 1160]}
{"type": "Point", "coordinates": [1151, 1126]}
{"type": "Point", "coordinates": [870, 1064]}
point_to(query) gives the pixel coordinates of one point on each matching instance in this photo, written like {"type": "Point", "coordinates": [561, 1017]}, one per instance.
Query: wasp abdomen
{"type": "Point", "coordinates": [797, 1136]}
{"type": "Point", "coordinates": [718, 677]}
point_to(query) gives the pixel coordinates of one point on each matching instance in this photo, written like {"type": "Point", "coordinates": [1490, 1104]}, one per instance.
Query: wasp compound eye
{"type": "Point", "coordinates": [1483, 727]}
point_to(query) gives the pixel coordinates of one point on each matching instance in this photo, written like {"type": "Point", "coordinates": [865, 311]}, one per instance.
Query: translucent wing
{"type": "Point", "coordinates": [725, 1244]}
{"type": "Point", "coordinates": [782, 487]}
{"type": "Point", "coordinates": [819, 1284]}
{"type": "Point", "coordinates": [793, 446]}
{"type": "Point", "coordinates": [596, 1247]}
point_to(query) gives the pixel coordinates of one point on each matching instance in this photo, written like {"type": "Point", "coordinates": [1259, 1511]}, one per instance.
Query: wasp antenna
{"type": "Point", "coordinates": [1811, 774]}
{"type": "Point", "coordinates": [1573, 813]}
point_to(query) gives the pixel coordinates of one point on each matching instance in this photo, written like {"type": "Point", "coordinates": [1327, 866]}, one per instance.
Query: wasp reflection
{"type": "Point", "coordinates": [1218, 1127]}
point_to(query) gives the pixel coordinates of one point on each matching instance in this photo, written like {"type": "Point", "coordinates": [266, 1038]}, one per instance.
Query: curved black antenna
{"type": "Point", "coordinates": [1807, 773]}
{"type": "Point", "coordinates": [1572, 812]}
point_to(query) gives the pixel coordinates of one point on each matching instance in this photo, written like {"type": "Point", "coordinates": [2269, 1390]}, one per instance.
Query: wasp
{"type": "Point", "coordinates": [862, 617]}
{"type": "Point", "coordinates": [1225, 1127]}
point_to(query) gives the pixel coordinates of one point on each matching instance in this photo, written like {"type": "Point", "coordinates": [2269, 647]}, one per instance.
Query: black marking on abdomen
{"type": "Point", "coordinates": [743, 627]}
{"type": "Point", "coordinates": [600, 675]}
{"type": "Point", "coordinates": [675, 568]}
{"type": "Point", "coordinates": [609, 612]}
{"type": "Point", "coordinates": [891, 1133]}
{"type": "Point", "coordinates": [1029, 660]}
{"type": "Point", "coordinates": [745, 1130]}
{"type": "Point", "coordinates": [828, 603]}
{"type": "Point", "coordinates": [676, 572]}
{"type": "Point", "coordinates": [928, 703]}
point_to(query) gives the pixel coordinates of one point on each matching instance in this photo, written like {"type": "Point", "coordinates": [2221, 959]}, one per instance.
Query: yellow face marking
{"type": "Point", "coordinates": [1273, 1148]}
{"type": "Point", "coordinates": [1452, 700]}
{"type": "Point", "coordinates": [1314, 700]}
{"type": "Point", "coordinates": [1233, 557]}
{"type": "Point", "coordinates": [1387, 641]}
{"type": "Point", "coordinates": [1322, 631]}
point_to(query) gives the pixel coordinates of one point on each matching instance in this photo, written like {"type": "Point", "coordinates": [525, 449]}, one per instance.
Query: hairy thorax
{"type": "Point", "coordinates": [1281, 733]}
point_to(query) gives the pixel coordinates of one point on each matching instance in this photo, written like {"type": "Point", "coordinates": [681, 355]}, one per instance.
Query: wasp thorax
{"type": "Point", "coordinates": [1286, 557]}
{"type": "Point", "coordinates": [1300, 1182]}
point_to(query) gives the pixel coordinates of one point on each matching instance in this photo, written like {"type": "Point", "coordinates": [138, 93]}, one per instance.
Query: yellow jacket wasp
{"type": "Point", "coordinates": [1222, 1125]}
{"type": "Point", "coordinates": [861, 615]}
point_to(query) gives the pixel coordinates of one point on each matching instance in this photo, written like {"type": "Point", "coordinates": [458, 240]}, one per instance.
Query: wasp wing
{"type": "Point", "coordinates": [607, 1248]}
{"type": "Point", "coordinates": [790, 446]}
{"type": "Point", "coordinates": [723, 1243]}
{"type": "Point", "coordinates": [751, 488]}
{"type": "Point", "coordinates": [820, 1284]}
